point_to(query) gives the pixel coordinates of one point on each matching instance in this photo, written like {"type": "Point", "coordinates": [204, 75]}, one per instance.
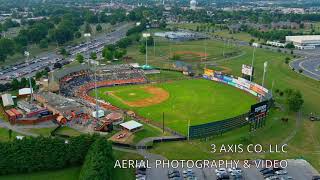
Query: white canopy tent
{"type": "Point", "coordinates": [131, 125]}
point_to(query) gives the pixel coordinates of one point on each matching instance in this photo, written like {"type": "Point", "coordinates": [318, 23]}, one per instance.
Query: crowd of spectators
{"type": "Point", "coordinates": [77, 84]}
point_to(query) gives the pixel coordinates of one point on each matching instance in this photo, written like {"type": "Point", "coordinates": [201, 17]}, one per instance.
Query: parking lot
{"type": "Point", "coordinates": [44, 60]}
{"type": "Point", "coordinates": [296, 169]}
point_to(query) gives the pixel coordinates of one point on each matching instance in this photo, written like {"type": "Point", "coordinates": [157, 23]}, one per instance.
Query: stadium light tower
{"type": "Point", "coordinates": [146, 35]}
{"type": "Point", "coordinates": [265, 66]}
{"type": "Point", "coordinates": [26, 53]}
{"type": "Point", "coordinates": [253, 54]}
{"type": "Point", "coordinates": [87, 35]}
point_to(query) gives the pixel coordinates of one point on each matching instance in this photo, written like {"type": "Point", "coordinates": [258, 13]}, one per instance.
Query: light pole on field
{"type": "Point", "coordinates": [265, 65]}
{"type": "Point", "coordinates": [26, 53]}
{"type": "Point", "coordinates": [87, 35]}
{"type": "Point", "coordinates": [146, 35]}
{"type": "Point", "coordinates": [253, 56]}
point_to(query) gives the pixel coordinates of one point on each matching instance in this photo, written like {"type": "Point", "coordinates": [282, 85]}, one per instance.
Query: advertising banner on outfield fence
{"type": "Point", "coordinates": [208, 72]}
{"type": "Point", "coordinates": [243, 82]}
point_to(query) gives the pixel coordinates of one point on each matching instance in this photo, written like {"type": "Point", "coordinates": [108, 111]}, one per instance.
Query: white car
{"type": "Point", "coordinates": [221, 170]}
{"type": "Point", "coordinates": [238, 170]}
{"type": "Point", "coordinates": [281, 172]}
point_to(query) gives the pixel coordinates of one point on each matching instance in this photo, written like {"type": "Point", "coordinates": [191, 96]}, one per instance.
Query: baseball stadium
{"type": "Point", "coordinates": [177, 105]}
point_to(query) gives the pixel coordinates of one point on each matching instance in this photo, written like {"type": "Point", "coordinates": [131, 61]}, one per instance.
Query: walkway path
{"type": "Point", "coordinates": [7, 125]}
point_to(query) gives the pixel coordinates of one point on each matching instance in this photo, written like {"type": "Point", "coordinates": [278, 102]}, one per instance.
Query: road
{"type": "Point", "coordinates": [48, 59]}
{"type": "Point", "coordinates": [310, 66]}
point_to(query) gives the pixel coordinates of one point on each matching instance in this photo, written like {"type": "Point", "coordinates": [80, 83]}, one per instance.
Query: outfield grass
{"type": "Point", "coordinates": [200, 101]}
{"type": "Point", "coordinates": [166, 76]}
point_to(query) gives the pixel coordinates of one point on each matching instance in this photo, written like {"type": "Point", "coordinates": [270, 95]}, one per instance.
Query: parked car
{"type": "Point", "coordinates": [281, 172]}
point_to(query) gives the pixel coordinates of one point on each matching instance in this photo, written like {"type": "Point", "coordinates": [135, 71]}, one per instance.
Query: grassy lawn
{"type": "Point", "coordinates": [68, 131]}
{"type": "Point", "coordinates": [4, 134]}
{"type": "Point", "coordinates": [199, 101]}
{"type": "Point", "coordinates": [243, 36]}
{"type": "Point", "coordinates": [147, 131]}
{"type": "Point", "coordinates": [164, 50]}
{"type": "Point", "coordinates": [41, 131]}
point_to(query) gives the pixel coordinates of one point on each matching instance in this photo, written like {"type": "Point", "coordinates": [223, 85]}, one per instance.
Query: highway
{"type": "Point", "coordinates": [95, 44]}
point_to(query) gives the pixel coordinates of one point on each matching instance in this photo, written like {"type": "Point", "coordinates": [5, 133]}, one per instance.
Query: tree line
{"type": "Point", "coordinates": [45, 153]}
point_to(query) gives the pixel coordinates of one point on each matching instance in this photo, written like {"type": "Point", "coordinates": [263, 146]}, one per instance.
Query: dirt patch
{"type": "Point", "coordinates": [158, 96]}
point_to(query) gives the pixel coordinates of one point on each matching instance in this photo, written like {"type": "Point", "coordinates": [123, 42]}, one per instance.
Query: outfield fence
{"type": "Point", "coordinates": [218, 127]}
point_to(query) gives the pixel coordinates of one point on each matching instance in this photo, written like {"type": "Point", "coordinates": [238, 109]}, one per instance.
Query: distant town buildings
{"type": "Point", "coordinates": [193, 4]}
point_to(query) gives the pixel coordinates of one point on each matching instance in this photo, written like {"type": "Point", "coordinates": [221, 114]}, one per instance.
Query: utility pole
{"type": "Point", "coordinates": [224, 43]}
{"type": "Point", "coordinates": [154, 47]}
{"type": "Point", "coordinates": [162, 122]}
{"type": "Point", "coordinates": [188, 129]}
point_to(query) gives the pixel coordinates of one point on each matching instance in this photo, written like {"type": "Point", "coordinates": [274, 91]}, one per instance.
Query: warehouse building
{"type": "Point", "coordinates": [304, 42]}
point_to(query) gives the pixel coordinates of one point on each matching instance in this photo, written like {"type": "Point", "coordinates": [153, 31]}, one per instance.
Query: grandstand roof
{"type": "Point", "coordinates": [66, 71]}
{"type": "Point", "coordinates": [25, 91]}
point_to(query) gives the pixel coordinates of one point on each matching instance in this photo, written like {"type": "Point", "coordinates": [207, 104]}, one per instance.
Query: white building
{"type": "Point", "coordinates": [7, 100]}
{"type": "Point", "coordinates": [304, 42]}
{"type": "Point", "coordinates": [276, 43]}
{"type": "Point", "coordinates": [193, 4]}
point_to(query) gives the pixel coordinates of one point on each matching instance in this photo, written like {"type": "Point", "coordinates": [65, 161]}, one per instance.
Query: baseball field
{"type": "Point", "coordinates": [198, 100]}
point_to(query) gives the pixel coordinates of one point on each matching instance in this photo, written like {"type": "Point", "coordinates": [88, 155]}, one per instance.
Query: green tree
{"type": "Point", "coordinates": [38, 75]}
{"type": "Point", "coordinates": [7, 47]}
{"type": "Point", "coordinates": [77, 34]}
{"type": "Point", "coordinates": [87, 28]}
{"type": "Point", "coordinates": [10, 133]}
{"type": "Point", "coordinates": [287, 60]}
{"type": "Point", "coordinates": [142, 49]}
{"type": "Point", "coordinates": [93, 55]}
{"type": "Point", "coordinates": [43, 44]}
{"type": "Point", "coordinates": [15, 84]}
{"type": "Point", "coordinates": [294, 100]}
{"type": "Point", "coordinates": [80, 58]}
{"type": "Point", "coordinates": [99, 28]}
{"type": "Point", "coordinates": [107, 54]}
{"type": "Point", "coordinates": [99, 161]}
{"type": "Point", "coordinates": [119, 53]}
{"type": "Point", "coordinates": [23, 82]}
{"type": "Point", "coordinates": [63, 51]}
